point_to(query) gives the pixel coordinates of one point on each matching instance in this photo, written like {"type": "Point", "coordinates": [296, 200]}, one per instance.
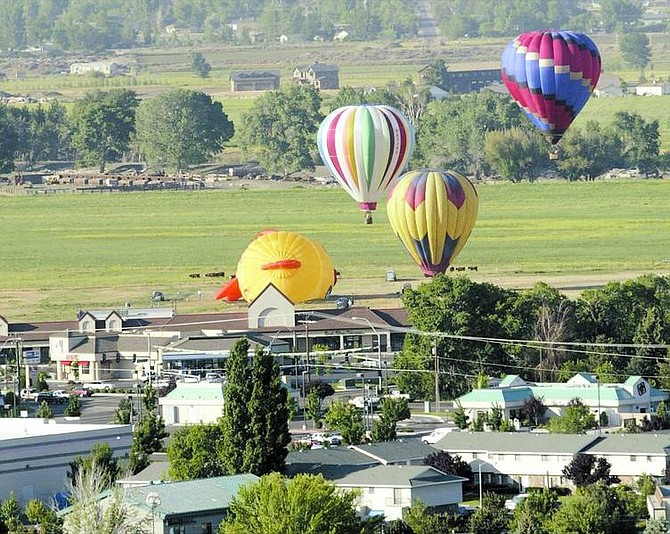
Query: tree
{"type": "Point", "coordinates": [10, 514]}
{"type": "Point", "coordinates": [491, 517]}
{"type": "Point", "coordinates": [419, 520]}
{"type": "Point", "coordinates": [87, 513]}
{"type": "Point", "coordinates": [100, 466]}
{"type": "Point", "coordinates": [9, 143]}
{"type": "Point", "coordinates": [42, 384]}
{"type": "Point", "coordinates": [46, 519]}
{"type": "Point", "coordinates": [181, 127]}
{"type": "Point", "coordinates": [236, 417]}
{"type": "Point", "coordinates": [268, 431]}
{"type": "Point", "coordinates": [585, 469]}
{"type": "Point", "coordinates": [194, 452]}
{"type": "Point", "coordinates": [532, 514]}
{"type": "Point", "coordinates": [345, 418]}
{"type": "Point", "coordinates": [657, 526]}
{"type": "Point", "coordinates": [533, 410]}
{"type": "Point", "coordinates": [45, 411]}
{"type": "Point", "coordinates": [123, 415]}
{"type": "Point", "coordinates": [102, 124]}
{"type": "Point", "coordinates": [635, 49]}
{"type": "Point", "coordinates": [392, 411]}
{"type": "Point", "coordinates": [621, 15]}
{"type": "Point", "coordinates": [313, 408]}
{"type": "Point", "coordinates": [355, 96]}
{"type": "Point", "coordinates": [640, 141]}
{"type": "Point", "coordinates": [148, 438]}
{"type": "Point", "coordinates": [516, 154]}
{"type": "Point", "coordinates": [199, 64]}
{"type": "Point", "coordinates": [437, 74]}
{"type": "Point", "coordinates": [305, 503]}
{"type": "Point", "coordinates": [576, 419]}
{"type": "Point", "coordinates": [451, 465]}
{"type": "Point", "coordinates": [588, 153]}
{"type": "Point", "coordinates": [73, 408]}
{"type": "Point", "coordinates": [281, 127]}
{"type": "Point", "coordinates": [461, 419]}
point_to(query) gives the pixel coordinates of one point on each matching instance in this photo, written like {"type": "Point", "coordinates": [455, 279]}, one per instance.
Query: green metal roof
{"type": "Point", "coordinates": [592, 393]}
{"type": "Point", "coordinates": [199, 391]}
{"type": "Point", "coordinates": [191, 496]}
{"type": "Point", "coordinates": [498, 395]}
{"type": "Point", "coordinates": [397, 476]}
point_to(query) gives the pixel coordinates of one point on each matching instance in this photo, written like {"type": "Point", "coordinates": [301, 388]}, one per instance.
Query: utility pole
{"type": "Point", "coordinates": [437, 375]}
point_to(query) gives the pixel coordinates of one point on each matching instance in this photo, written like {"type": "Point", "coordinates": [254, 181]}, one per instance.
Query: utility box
{"type": "Point", "coordinates": [390, 275]}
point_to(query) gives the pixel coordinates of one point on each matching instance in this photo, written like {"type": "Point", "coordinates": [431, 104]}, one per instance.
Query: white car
{"type": "Point", "coordinates": [362, 402]}
{"type": "Point", "coordinates": [437, 434]}
{"type": "Point", "coordinates": [99, 385]}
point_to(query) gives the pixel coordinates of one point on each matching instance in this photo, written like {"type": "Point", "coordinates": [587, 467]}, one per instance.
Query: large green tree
{"type": "Point", "coordinates": [194, 451]}
{"type": "Point", "coordinates": [391, 412]}
{"type": "Point", "coordinates": [491, 517]}
{"type": "Point", "coordinates": [102, 124]}
{"type": "Point", "coordinates": [281, 129]}
{"type": "Point", "coordinates": [305, 503]}
{"type": "Point", "coordinates": [346, 418]}
{"type": "Point", "coordinates": [181, 127]}
{"type": "Point", "coordinates": [635, 49]}
{"type": "Point", "coordinates": [576, 419]}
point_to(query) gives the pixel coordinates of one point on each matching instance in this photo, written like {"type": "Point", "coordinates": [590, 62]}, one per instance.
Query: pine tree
{"type": "Point", "coordinates": [235, 422]}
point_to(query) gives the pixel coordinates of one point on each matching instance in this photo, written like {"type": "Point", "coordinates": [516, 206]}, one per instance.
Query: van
{"type": "Point", "coordinates": [437, 434]}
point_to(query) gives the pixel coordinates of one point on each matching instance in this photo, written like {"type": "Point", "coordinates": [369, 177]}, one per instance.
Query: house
{"type": "Point", "coordinates": [108, 68]}
{"type": "Point", "coordinates": [189, 507]}
{"type": "Point", "coordinates": [658, 504]}
{"type": "Point", "coordinates": [466, 81]}
{"type": "Point", "coordinates": [157, 472]}
{"type": "Point", "coordinates": [632, 399]}
{"type": "Point", "coordinates": [318, 75]}
{"type": "Point", "coordinates": [608, 85]}
{"type": "Point", "coordinates": [653, 89]}
{"type": "Point", "coordinates": [35, 455]}
{"type": "Point", "coordinates": [388, 489]}
{"type": "Point", "coordinates": [254, 81]}
{"type": "Point", "coordinates": [527, 459]}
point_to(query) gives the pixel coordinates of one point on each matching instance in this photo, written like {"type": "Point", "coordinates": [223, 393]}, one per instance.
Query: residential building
{"type": "Point", "coordinates": [318, 75]}
{"type": "Point", "coordinates": [633, 399]}
{"type": "Point", "coordinates": [527, 459]}
{"type": "Point", "coordinates": [35, 454]}
{"type": "Point", "coordinates": [653, 89]}
{"type": "Point", "coordinates": [467, 81]}
{"type": "Point", "coordinates": [254, 81]}
{"type": "Point", "coordinates": [608, 85]}
{"type": "Point", "coordinates": [108, 68]}
{"type": "Point", "coordinates": [189, 507]}
{"type": "Point", "coordinates": [388, 489]}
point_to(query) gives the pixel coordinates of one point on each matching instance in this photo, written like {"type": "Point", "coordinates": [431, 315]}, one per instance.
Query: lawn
{"type": "Point", "coordinates": [65, 251]}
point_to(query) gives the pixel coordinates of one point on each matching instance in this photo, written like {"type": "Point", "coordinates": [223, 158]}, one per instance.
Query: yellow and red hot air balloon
{"type": "Point", "coordinates": [433, 214]}
{"type": "Point", "coordinates": [366, 148]}
{"type": "Point", "coordinates": [299, 267]}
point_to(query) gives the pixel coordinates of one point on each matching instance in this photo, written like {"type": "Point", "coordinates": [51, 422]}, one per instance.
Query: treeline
{"type": "Point", "coordinates": [91, 25]}
{"type": "Point", "coordinates": [459, 18]}
{"type": "Point", "coordinates": [478, 134]}
{"type": "Point", "coordinates": [616, 331]}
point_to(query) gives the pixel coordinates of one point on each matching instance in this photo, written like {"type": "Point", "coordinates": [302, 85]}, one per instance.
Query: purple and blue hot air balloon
{"type": "Point", "coordinates": [433, 214]}
{"type": "Point", "coordinates": [551, 75]}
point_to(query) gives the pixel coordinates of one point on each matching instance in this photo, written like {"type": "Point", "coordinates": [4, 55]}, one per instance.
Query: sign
{"type": "Point", "coordinates": [31, 357]}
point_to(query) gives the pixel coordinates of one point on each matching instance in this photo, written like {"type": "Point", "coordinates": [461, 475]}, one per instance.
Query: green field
{"type": "Point", "coordinates": [64, 251]}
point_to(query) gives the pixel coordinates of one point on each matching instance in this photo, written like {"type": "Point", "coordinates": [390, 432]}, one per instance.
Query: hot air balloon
{"type": "Point", "coordinates": [366, 148]}
{"type": "Point", "coordinates": [299, 267]}
{"type": "Point", "coordinates": [433, 213]}
{"type": "Point", "coordinates": [551, 75]}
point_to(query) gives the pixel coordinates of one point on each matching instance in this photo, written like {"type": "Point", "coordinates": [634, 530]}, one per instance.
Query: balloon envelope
{"type": "Point", "coordinates": [366, 148]}
{"type": "Point", "coordinates": [433, 213]}
{"type": "Point", "coordinates": [299, 267]}
{"type": "Point", "coordinates": [551, 75]}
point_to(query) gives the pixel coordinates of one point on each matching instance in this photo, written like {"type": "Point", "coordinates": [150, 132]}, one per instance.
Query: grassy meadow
{"type": "Point", "coordinates": [65, 251]}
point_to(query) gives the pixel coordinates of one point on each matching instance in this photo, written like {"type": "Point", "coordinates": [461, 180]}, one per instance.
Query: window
{"type": "Point", "coordinates": [544, 458]}
{"type": "Point", "coordinates": [517, 457]}
{"type": "Point", "coordinates": [397, 496]}
{"type": "Point", "coordinates": [371, 490]}
{"type": "Point", "coordinates": [633, 458]}
{"type": "Point", "coordinates": [206, 528]}
{"type": "Point", "coordinates": [650, 458]}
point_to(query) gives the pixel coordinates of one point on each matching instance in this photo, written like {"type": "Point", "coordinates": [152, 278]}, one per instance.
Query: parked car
{"type": "Point", "coordinates": [321, 438]}
{"type": "Point", "coordinates": [49, 398]}
{"type": "Point", "coordinates": [81, 391]}
{"type": "Point", "coordinates": [437, 434]}
{"type": "Point", "coordinates": [99, 385]}
{"type": "Point", "coordinates": [29, 394]}
{"type": "Point", "coordinates": [215, 378]}
{"type": "Point", "coordinates": [60, 393]}
{"type": "Point", "coordinates": [362, 402]}
{"type": "Point", "coordinates": [511, 504]}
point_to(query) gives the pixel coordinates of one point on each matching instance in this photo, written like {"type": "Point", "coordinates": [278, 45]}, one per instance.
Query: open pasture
{"type": "Point", "coordinates": [65, 251]}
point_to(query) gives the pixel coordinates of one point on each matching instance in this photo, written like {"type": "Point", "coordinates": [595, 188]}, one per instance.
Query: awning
{"type": "Point", "coordinates": [70, 362]}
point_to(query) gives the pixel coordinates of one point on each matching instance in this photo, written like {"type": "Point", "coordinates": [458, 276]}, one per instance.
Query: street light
{"type": "Point", "coordinates": [304, 412]}
{"type": "Point", "coordinates": [379, 348]}
{"type": "Point", "coordinates": [153, 501]}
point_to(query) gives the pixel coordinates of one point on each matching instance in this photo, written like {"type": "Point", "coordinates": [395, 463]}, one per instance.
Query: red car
{"type": "Point", "coordinates": [81, 391]}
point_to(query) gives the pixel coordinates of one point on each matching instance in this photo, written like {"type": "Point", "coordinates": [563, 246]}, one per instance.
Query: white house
{"type": "Point", "coordinates": [387, 489]}
{"type": "Point", "coordinates": [108, 68]}
{"type": "Point", "coordinates": [631, 399]}
{"type": "Point", "coordinates": [35, 455]}
{"type": "Point", "coordinates": [653, 89]}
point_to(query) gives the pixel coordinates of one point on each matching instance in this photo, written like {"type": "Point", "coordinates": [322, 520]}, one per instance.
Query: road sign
{"type": "Point", "coordinates": [31, 357]}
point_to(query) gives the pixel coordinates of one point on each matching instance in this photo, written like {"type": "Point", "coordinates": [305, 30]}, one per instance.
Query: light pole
{"type": "Point", "coordinates": [153, 501]}
{"type": "Point", "coordinates": [304, 412]}
{"type": "Point", "coordinates": [307, 322]}
{"type": "Point", "coordinates": [379, 348]}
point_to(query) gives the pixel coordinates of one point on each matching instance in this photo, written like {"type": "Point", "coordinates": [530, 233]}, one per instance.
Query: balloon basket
{"type": "Point", "coordinates": [368, 217]}
{"type": "Point", "coordinates": [553, 155]}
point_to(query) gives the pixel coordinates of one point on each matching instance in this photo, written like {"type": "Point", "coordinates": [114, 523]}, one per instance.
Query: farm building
{"type": "Point", "coordinates": [318, 75]}
{"type": "Point", "coordinates": [467, 81]}
{"type": "Point", "coordinates": [653, 89]}
{"type": "Point", "coordinates": [108, 68]}
{"type": "Point", "coordinates": [254, 81]}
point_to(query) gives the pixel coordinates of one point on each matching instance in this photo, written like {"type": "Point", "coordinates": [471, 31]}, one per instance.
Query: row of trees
{"type": "Point", "coordinates": [480, 134]}
{"type": "Point", "coordinates": [468, 321]}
